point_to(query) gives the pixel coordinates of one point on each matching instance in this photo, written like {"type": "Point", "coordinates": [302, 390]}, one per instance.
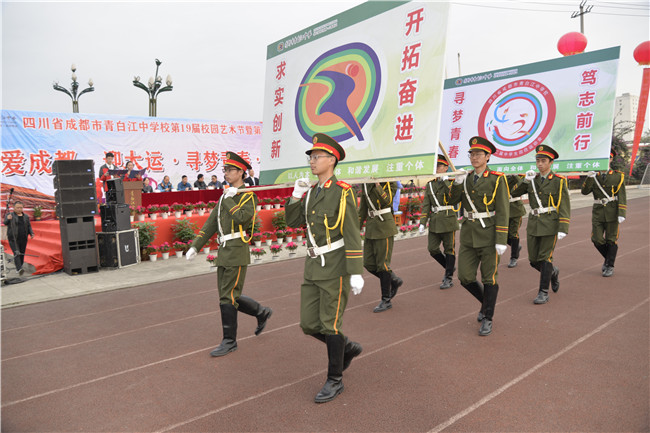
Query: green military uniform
{"type": "Point", "coordinates": [550, 214]}
{"type": "Point", "coordinates": [376, 209]}
{"type": "Point", "coordinates": [443, 224]}
{"type": "Point", "coordinates": [484, 198]}
{"type": "Point", "coordinates": [610, 203]}
{"type": "Point", "coordinates": [517, 211]}
{"type": "Point", "coordinates": [329, 212]}
{"type": "Point", "coordinates": [230, 219]}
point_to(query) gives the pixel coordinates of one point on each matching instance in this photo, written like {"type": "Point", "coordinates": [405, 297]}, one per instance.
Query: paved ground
{"type": "Point", "coordinates": [137, 359]}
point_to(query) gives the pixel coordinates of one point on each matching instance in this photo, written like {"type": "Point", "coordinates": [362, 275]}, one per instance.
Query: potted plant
{"type": "Point", "coordinates": [292, 246]}
{"type": "Point", "coordinates": [278, 221]}
{"type": "Point", "coordinates": [257, 253]}
{"type": "Point", "coordinates": [416, 217]}
{"type": "Point", "coordinates": [164, 249]}
{"type": "Point", "coordinates": [212, 259]}
{"type": "Point", "coordinates": [267, 203]}
{"type": "Point", "coordinates": [164, 211]}
{"type": "Point", "coordinates": [211, 204]}
{"type": "Point", "coordinates": [38, 213]}
{"type": "Point", "coordinates": [180, 247]}
{"type": "Point", "coordinates": [200, 208]}
{"type": "Point", "coordinates": [257, 239]}
{"type": "Point", "coordinates": [150, 252]}
{"type": "Point", "coordinates": [277, 202]}
{"type": "Point", "coordinates": [153, 210]}
{"type": "Point", "coordinates": [146, 234]}
{"type": "Point", "coordinates": [279, 236]}
{"type": "Point", "coordinates": [184, 230]}
{"type": "Point", "coordinates": [288, 234]}
{"type": "Point", "coordinates": [188, 207]}
{"type": "Point", "coordinates": [299, 232]}
{"type": "Point", "coordinates": [403, 230]}
{"type": "Point", "coordinates": [177, 208]}
{"type": "Point", "coordinates": [268, 238]}
{"type": "Point", "coordinates": [275, 251]}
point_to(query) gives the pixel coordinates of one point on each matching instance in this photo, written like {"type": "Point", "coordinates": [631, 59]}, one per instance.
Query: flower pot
{"type": "Point", "coordinates": [213, 268]}
{"type": "Point", "coordinates": [153, 216]}
{"type": "Point", "coordinates": [179, 254]}
{"type": "Point", "coordinates": [258, 208]}
{"type": "Point", "coordinates": [289, 239]}
{"type": "Point", "coordinates": [298, 238]}
{"type": "Point", "coordinates": [206, 250]}
{"type": "Point", "coordinates": [276, 206]}
{"type": "Point", "coordinates": [165, 255]}
{"type": "Point", "coordinates": [258, 243]}
{"type": "Point", "coordinates": [275, 257]}
{"type": "Point", "coordinates": [257, 260]}
{"type": "Point", "coordinates": [417, 222]}
{"type": "Point", "coordinates": [164, 215]}
{"type": "Point", "coordinates": [269, 242]}
{"type": "Point", "coordinates": [188, 213]}
{"type": "Point", "coordinates": [279, 241]}
{"type": "Point", "coordinates": [131, 218]}
{"type": "Point", "coordinates": [153, 257]}
{"type": "Point", "coordinates": [267, 206]}
{"type": "Point", "coordinates": [292, 253]}
{"type": "Point", "coordinates": [201, 212]}
{"type": "Point", "coordinates": [177, 214]}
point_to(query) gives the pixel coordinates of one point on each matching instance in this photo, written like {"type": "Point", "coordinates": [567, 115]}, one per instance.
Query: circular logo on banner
{"type": "Point", "coordinates": [339, 92]}
{"type": "Point", "coordinates": [517, 117]}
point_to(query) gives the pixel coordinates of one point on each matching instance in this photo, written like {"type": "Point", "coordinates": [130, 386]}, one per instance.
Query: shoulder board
{"type": "Point", "coordinates": [343, 184]}
{"type": "Point", "coordinates": [328, 183]}
{"type": "Point", "coordinates": [560, 176]}
{"type": "Point", "coordinates": [496, 173]}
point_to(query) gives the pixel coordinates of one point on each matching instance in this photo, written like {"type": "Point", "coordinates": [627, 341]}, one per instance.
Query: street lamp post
{"type": "Point", "coordinates": [72, 93]}
{"type": "Point", "coordinates": [153, 88]}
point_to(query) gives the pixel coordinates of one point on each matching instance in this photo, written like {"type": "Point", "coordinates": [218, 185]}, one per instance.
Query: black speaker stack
{"type": "Point", "coordinates": [119, 244]}
{"type": "Point", "coordinates": [76, 207]}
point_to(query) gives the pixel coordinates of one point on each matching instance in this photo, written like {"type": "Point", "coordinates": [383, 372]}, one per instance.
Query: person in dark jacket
{"type": "Point", "coordinates": [18, 228]}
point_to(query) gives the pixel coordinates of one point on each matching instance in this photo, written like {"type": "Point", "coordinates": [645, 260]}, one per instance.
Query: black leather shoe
{"type": "Point", "coordinates": [330, 390]}
{"type": "Point", "coordinates": [555, 279]}
{"type": "Point", "coordinates": [383, 306]}
{"type": "Point", "coordinates": [486, 327]}
{"type": "Point", "coordinates": [447, 282]}
{"type": "Point", "coordinates": [542, 298]}
{"type": "Point", "coordinates": [395, 283]}
{"type": "Point", "coordinates": [609, 271]}
{"type": "Point", "coordinates": [480, 316]}
{"type": "Point", "coordinates": [513, 263]}
{"type": "Point", "coordinates": [224, 348]}
{"type": "Point", "coordinates": [352, 350]}
{"type": "Point", "coordinates": [261, 320]}
{"type": "Point", "coordinates": [21, 271]}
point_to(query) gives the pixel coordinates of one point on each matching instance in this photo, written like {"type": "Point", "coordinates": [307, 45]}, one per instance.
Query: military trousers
{"type": "Point", "coordinates": [469, 260]}
{"type": "Point", "coordinates": [377, 254]}
{"type": "Point", "coordinates": [604, 232]}
{"type": "Point", "coordinates": [322, 303]}
{"type": "Point", "coordinates": [448, 240]}
{"type": "Point", "coordinates": [230, 281]}
{"type": "Point", "coordinates": [513, 227]}
{"type": "Point", "coordinates": [540, 248]}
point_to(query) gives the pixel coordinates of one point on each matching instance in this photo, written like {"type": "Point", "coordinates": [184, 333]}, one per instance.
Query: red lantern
{"type": "Point", "coordinates": [572, 43]}
{"type": "Point", "coordinates": [642, 53]}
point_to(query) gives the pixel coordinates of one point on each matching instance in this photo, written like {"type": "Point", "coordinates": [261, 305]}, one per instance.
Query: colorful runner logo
{"type": "Point", "coordinates": [517, 117]}
{"type": "Point", "coordinates": [339, 92]}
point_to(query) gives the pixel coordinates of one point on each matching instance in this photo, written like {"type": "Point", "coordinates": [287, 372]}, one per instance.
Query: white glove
{"type": "Point", "coordinates": [190, 254]}
{"type": "Point", "coordinates": [445, 177]}
{"type": "Point", "coordinates": [592, 174]}
{"type": "Point", "coordinates": [500, 248]}
{"type": "Point", "coordinates": [460, 178]}
{"type": "Point", "coordinates": [421, 228]}
{"type": "Point", "coordinates": [230, 192]}
{"type": "Point", "coordinates": [300, 187]}
{"type": "Point", "coordinates": [356, 283]}
{"type": "Point", "coordinates": [621, 219]}
{"type": "Point", "coordinates": [560, 235]}
{"type": "Point", "coordinates": [530, 174]}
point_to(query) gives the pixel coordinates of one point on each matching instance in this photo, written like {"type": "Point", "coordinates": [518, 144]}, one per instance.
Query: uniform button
{"type": "Point", "coordinates": [473, 191]}
{"type": "Point", "coordinates": [313, 212]}
{"type": "Point", "coordinates": [312, 224]}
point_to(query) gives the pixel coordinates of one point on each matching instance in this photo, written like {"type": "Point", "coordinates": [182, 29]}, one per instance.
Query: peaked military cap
{"type": "Point", "coordinates": [236, 161]}
{"type": "Point", "coordinates": [442, 160]}
{"type": "Point", "coordinates": [480, 143]}
{"type": "Point", "coordinates": [328, 144]}
{"type": "Point", "coordinates": [546, 151]}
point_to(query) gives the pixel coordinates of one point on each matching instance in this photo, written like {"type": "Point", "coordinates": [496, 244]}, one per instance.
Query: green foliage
{"type": "Point", "coordinates": [184, 230]}
{"type": "Point", "coordinates": [278, 221]}
{"type": "Point", "coordinates": [146, 233]}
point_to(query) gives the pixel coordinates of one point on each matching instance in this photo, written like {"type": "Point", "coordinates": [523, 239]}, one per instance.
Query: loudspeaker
{"type": "Point", "coordinates": [75, 209]}
{"type": "Point", "coordinates": [114, 191]}
{"type": "Point", "coordinates": [74, 180]}
{"type": "Point", "coordinates": [65, 195]}
{"type": "Point", "coordinates": [73, 166]}
{"type": "Point", "coordinates": [74, 229]}
{"type": "Point", "coordinates": [78, 245]}
{"type": "Point", "coordinates": [74, 184]}
{"type": "Point", "coordinates": [118, 249]}
{"type": "Point", "coordinates": [115, 217]}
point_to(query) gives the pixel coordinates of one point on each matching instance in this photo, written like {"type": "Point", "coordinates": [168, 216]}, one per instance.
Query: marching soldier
{"type": "Point", "coordinates": [483, 234]}
{"type": "Point", "coordinates": [234, 214]}
{"type": "Point", "coordinates": [517, 211]}
{"type": "Point", "coordinates": [335, 260]}
{"type": "Point", "coordinates": [609, 210]}
{"type": "Point", "coordinates": [548, 221]}
{"type": "Point", "coordinates": [443, 222]}
{"type": "Point", "coordinates": [377, 210]}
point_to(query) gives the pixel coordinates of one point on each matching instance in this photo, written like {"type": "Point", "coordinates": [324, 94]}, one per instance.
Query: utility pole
{"type": "Point", "coordinates": [581, 14]}
{"type": "Point", "coordinates": [459, 74]}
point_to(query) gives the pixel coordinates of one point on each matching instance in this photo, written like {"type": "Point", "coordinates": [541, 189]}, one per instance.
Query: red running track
{"type": "Point", "coordinates": [137, 359]}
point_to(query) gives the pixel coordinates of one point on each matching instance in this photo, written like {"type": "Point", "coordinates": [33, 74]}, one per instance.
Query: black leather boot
{"type": "Point", "coordinates": [395, 283]}
{"type": "Point", "coordinates": [555, 279]}
{"type": "Point", "coordinates": [440, 258]}
{"type": "Point", "coordinates": [334, 385]}
{"type": "Point", "coordinates": [612, 249]}
{"type": "Point", "coordinates": [229, 325]}
{"type": "Point", "coordinates": [602, 249]}
{"type": "Point", "coordinates": [490, 292]}
{"type": "Point", "coordinates": [476, 289]}
{"type": "Point", "coordinates": [352, 350]}
{"type": "Point", "coordinates": [515, 249]}
{"type": "Point", "coordinates": [544, 280]}
{"type": "Point", "coordinates": [385, 281]}
{"type": "Point", "coordinates": [447, 281]}
{"type": "Point", "coordinates": [253, 308]}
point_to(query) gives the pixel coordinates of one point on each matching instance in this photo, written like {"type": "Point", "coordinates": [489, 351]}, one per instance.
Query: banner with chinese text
{"type": "Point", "coordinates": [31, 141]}
{"type": "Point", "coordinates": [566, 103]}
{"type": "Point", "coordinates": [371, 78]}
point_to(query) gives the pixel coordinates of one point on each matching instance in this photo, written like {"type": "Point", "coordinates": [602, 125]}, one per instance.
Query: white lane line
{"type": "Point", "coordinates": [530, 371]}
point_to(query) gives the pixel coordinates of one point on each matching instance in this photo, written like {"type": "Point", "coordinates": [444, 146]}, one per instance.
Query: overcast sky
{"type": "Point", "coordinates": [216, 51]}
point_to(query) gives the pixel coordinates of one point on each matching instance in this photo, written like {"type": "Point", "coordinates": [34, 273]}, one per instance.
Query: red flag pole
{"type": "Point", "coordinates": [640, 116]}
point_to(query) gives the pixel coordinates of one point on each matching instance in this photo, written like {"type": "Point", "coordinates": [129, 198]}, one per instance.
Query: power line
{"type": "Point", "coordinates": [543, 10]}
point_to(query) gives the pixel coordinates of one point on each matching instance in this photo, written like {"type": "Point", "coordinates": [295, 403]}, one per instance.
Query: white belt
{"type": "Point", "coordinates": [314, 252]}
{"type": "Point", "coordinates": [374, 213]}
{"type": "Point", "coordinates": [229, 237]}
{"type": "Point", "coordinates": [542, 210]}
{"type": "Point", "coordinates": [605, 200]}
{"type": "Point", "coordinates": [476, 215]}
{"type": "Point", "coordinates": [441, 208]}
{"type": "Point", "coordinates": [514, 199]}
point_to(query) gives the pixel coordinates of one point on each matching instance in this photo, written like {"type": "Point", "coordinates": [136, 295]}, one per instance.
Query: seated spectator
{"type": "Point", "coordinates": [146, 185]}
{"type": "Point", "coordinates": [165, 185]}
{"type": "Point", "coordinates": [215, 182]}
{"type": "Point", "coordinates": [200, 184]}
{"type": "Point", "coordinates": [184, 185]}
{"type": "Point", "coordinates": [251, 180]}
